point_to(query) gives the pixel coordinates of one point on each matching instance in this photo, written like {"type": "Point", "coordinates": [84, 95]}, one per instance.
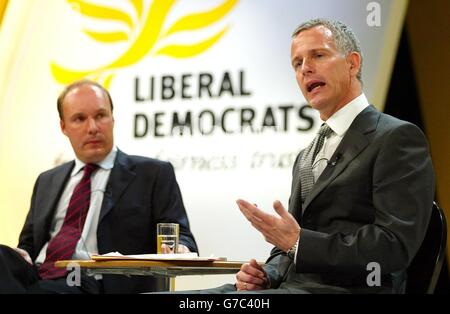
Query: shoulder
{"type": "Point", "coordinates": [393, 125]}
{"type": "Point", "coordinates": [389, 121]}
{"type": "Point", "coordinates": [63, 168]}
{"type": "Point", "coordinates": [384, 130]}
{"type": "Point", "coordinates": [393, 134]}
{"type": "Point", "coordinates": [54, 176]}
{"type": "Point", "coordinates": [371, 119]}
{"type": "Point", "coordinates": [137, 161]}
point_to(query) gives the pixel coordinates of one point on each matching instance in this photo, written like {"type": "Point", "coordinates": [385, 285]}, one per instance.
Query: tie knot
{"type": "Point", "coordinates": [89, 169]}
{"type": "Point", "coordinates": [325, 131]}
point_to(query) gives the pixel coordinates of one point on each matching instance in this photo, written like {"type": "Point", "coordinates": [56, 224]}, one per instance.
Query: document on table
{"type": "Point", "coordinates": [156, 257]}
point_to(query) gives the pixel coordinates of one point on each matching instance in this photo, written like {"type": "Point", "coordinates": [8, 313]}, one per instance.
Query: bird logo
{"type": "Point", "coordinates": [142, 29]}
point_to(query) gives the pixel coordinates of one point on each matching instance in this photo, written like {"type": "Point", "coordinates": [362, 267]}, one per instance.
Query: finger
{"type": "Point", "coordinates": [247, 209]}
{"type": "Point", "coordinates": [25, 255]}
{"type": "Point", "coordinates": [249, 279]}
{"type": "Point", "coordinates": [252, 286]}
{"type": "Point", "coordinates": [239, 282]}
{"type": "Point", "coordinates": [28, 259]}
{"type": "Point", "coordinates": [241, 286]}
{"type": "Point", "coordinates": [243, 266]}
{"type": "Point", "coordinates": [261, 216]}
{"type": "Point", "coordinates": [262, 272]}
{"type": "Point", "coordinates": [255, 264]}
{"type": "Point", "coordinates": [252, 212]}
{"type": "Point", "coordinates": [279, 208]}
{"type": "Point", "coordinates": [247, 275]}
{"type": "Point", "coordinates": [243, 209]}
{"type": "Point", "coordinates": [165, 249]}
{"type": "Point", "coordinates": [183, 249]}
{"type": "Point", "coordinates": [250, 271]}
{"type": "Point", "coordinates": [266, 279]}
{"type": "Point", "coordinates": [248, 215]}
{"type": "Point", "coordinates": [244, 203]}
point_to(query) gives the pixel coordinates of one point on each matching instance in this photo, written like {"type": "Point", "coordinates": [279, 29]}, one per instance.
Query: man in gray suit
{"type": "Point", "coordinates": [361, 194]}
{"type": "Point", "coordinates": [103, 201]}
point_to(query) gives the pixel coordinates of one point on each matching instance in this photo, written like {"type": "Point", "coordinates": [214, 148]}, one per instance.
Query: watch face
{"type": "Point", "coordinates": [291, 252]}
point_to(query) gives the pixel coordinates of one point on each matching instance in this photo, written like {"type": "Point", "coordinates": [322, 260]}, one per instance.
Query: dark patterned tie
{"type": "Point", "coordinates": [62, 246]}
{"type": "Point", "coordinates": [308, 157]}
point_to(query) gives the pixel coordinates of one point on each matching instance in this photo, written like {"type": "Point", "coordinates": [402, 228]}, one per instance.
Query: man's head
{"type": "Point", "coordinates": [327, 60]}
{"type": "Point", "coordinates": [85, 111]}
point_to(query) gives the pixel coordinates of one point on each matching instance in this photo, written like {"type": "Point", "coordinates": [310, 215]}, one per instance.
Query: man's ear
{"type": "Point", "coordinates": [63, 127]}
{"type": "Point", "coordinates": [354, 61]}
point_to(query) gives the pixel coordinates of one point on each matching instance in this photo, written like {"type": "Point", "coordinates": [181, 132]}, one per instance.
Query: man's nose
{"type": "Point", "coordinates": [307, 67]}
{"type": "Point", "coordinates": [92, 125]}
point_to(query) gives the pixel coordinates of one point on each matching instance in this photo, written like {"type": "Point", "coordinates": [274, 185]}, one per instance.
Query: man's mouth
{"type": "Point", "coordinates": [92, 142]}
{"type": "Point", "coordinates": [313, 85]}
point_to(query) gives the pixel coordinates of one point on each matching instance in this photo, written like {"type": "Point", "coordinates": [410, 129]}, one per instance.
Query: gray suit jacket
{"type": "Point", "coordinates": [140, 193]}
{"type": "Point", "coordinates": [372, 204]}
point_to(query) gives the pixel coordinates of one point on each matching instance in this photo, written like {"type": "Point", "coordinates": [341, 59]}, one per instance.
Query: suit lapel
{"type": "Point", "coordinates": [121, 176]}
{"type": "Point", "coordinates": [47, 204]}
{"type": "Point", "coordinates": [353, 143]}
{"type": "Point", "coordinates": [295, 200]}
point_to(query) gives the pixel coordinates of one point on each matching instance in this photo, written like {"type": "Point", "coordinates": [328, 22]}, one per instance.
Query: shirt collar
{"type": "Point", "coordinates": [341, 120]}
{"type": "Point", "coordinates": [106, 163]}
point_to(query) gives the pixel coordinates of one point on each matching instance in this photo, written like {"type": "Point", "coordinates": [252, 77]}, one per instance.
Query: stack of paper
{"type": "Point", "coordinates": [156, 257]}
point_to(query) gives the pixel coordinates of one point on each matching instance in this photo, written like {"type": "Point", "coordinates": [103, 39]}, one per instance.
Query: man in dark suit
{"type": "Point", "coordinates": [113, 208]}
{"type": "Point", "coordinates": [362, 191]}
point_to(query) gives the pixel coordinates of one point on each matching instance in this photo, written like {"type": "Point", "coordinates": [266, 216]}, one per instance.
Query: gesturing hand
{"type": "Point", "coordinates": [282, 231]}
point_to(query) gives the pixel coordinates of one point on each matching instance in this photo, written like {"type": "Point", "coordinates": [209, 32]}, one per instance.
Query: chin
{"type": "Point", "coordinates": [318, 103]}
{"type": "Point", "coordinates": [315, 105]}
{"type": "Point", "coordinates": [95, 157]}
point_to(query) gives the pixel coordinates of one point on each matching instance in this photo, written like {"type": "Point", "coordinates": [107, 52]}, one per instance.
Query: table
{"type": "Point", "coordinates": [168, 270]}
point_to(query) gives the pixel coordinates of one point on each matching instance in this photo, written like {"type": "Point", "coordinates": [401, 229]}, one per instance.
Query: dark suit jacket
{"type": "Point", "coordinates": [140, 193]}
{"type": "Point", "coordinates": [373, 205]}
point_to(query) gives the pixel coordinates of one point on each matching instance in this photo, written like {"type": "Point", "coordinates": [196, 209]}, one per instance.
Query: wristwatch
{"type": "Point", "coordinates": [291, 252]}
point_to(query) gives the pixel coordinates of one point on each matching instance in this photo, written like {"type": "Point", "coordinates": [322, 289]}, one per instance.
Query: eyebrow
{"type": "Point", "coordinates": [101, 110]}
{"type": "Point", "coordinates": [76, 115]}
{"type": "Point", "coordinates": [311, 51]}
{"type": "Point", "coordinates": [315, 50]}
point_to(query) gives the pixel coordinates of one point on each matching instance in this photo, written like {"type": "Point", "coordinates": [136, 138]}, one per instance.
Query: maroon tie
{"type": "Point", "coordinates": [62, 246]}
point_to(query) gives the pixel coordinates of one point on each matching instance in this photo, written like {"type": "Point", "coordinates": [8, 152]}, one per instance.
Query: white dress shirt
{"type": "Point", "coordinates": [339, 122]}
{"type": "Point", "coordinates": [88, 242]}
